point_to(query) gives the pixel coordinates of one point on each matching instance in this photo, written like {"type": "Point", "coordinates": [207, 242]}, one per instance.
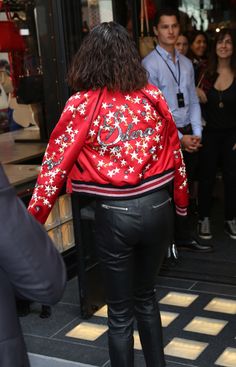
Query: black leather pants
{"type": "Point", "coordinates": [132, 237]}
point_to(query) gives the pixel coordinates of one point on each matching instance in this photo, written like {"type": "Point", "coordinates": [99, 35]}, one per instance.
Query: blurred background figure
{"type": "Point", "coordinates": [173, 73]}
{"type": "Point", "coordinates": [182, 44]}
{"type": "Point", "coordinates": [197, 53]}
{"type": "Point", "coordinates": [219, 135]}
{"type": "Point", "coordinates": [5, 89]}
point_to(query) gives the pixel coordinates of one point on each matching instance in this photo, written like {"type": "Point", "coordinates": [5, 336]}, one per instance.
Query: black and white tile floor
{"type": "Point", "coordinates": [198, 319]}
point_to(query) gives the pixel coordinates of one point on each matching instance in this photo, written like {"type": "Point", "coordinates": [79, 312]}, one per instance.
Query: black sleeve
{"type": "Point", "coordinates": [31, 262]}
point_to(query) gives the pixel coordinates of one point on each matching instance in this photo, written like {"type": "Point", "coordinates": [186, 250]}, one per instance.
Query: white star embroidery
{"type": "Point", "coordinates": [110, 114]}
{"type": "Point", "coordinates": [92, 133]}
{"type": "Point", "coordinates": [147, 118]}
{"type": "Point", "coordinates": [104, 105]}
{"type": "Point", "coordinates": [134, 155]}
{"type": "Point", "coordinates": [123, 118]}
{"type": "Point", "coordinates": [69, 129]}
{"type": "Point", "coordinates": [117, 170]}
{"type": "Point", "coordinates": [96, 122]}
{"type": "Point", "coordinates": [45, 201]}
{"type": "Point", "coordinates": [135, 120]}
{"type": "Point", "coordinates": [137, 100]}
{"type": "Point", "coordinates": [72, 108]}
{"type": "Point", "coordinates": [110, 173]}
{"type": "Point", "coordinates": [147, 107]}
{"type": "Point", "coordinates": [157, 138]}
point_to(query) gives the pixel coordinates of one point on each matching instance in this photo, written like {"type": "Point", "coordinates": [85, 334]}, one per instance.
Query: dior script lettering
{"type": "Point", "coordinates": [115, 134]}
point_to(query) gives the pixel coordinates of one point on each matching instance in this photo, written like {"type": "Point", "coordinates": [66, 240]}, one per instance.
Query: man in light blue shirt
{"type": "Point", "coordinates": [173, 74]}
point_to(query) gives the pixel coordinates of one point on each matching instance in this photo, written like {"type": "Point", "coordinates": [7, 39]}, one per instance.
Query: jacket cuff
{"type": "Point", "coordinates": [180, 211]}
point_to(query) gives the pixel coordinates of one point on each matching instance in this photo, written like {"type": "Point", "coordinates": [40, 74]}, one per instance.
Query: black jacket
{"type": "Point", "coordinates": [30, 267]}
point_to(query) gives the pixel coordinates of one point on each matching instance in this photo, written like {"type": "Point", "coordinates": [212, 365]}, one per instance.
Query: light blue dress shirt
{"type": "Point", "coordinates": [160, 76]}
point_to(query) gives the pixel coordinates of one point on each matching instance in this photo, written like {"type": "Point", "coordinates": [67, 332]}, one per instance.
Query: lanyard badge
{"type": "Point", "coordinates": [180, 100]}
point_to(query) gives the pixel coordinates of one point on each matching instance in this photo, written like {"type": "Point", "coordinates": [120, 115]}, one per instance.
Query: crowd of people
{"type": "Point", "coordinates": [212, 67]}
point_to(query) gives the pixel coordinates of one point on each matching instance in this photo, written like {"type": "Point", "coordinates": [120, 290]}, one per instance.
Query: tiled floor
{"type": "Point", "coordinates": [198, 320]}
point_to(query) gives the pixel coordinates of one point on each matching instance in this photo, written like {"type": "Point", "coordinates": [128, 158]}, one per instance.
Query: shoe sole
{"type": "Point", "coordinates": [205, 237]}
{"type": "Point", "coordinates": [195, 250]}
{"type": "Point", "coordinates": [231, 235]}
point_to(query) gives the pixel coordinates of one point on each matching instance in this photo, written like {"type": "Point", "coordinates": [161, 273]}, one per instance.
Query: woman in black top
{"type": "Point", "coordinates": [219, 135]}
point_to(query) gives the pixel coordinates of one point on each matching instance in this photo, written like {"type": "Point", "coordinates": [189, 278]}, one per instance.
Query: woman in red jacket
{"type": "Point", "coordinates": [116, 140]}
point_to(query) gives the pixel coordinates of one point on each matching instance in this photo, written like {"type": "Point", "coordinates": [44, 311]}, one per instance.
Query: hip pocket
{"type": "Point", "coordinates": [114, 207]}
{"type": "Point", "coordinates": [160, 205]}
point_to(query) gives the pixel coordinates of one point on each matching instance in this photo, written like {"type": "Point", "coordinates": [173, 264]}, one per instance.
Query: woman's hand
{"type": "Point", "coordinates": [191, 143]}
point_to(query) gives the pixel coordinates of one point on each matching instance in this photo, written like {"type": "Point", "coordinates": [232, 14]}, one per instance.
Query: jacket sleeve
{"type": "Point", "coordinates": [181, 196]}
{"type": "Point", "coordinates": [28, 257]}
{"type": "Point", "coordinates": [61, 153]}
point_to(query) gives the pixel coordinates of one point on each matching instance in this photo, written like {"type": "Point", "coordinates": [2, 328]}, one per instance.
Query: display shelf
{"type": "Point", "coordinates": [59, 224]}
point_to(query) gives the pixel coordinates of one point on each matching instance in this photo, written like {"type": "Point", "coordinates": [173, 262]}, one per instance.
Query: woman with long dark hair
{"type": "Point", "coordinates": [219, 134]}
{"type": "Point", "coordinates": [198, 49]}
{"type": "Point", "coordinates": [198, 54]}
{"type": "Point", "coordinates": [116, 141]}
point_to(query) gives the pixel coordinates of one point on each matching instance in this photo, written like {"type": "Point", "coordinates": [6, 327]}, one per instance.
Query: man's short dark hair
{"type": "Point", "coordinates": [166, 12]}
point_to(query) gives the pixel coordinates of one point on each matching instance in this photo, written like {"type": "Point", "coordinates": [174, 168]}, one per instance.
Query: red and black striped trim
{"type": "Point", "coordinates": [146, 186]}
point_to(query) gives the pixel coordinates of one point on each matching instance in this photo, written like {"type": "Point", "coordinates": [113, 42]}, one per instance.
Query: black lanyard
{"type": "Point", "coordinates": [176, 80]}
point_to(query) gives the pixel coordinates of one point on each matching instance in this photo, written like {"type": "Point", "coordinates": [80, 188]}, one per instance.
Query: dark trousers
{"type": "Point", "coordinates": [218, 148]}
{"type": "Point", "coordinates": [132, 237]}
{"type": "Point", "coordinates": [183, 230]}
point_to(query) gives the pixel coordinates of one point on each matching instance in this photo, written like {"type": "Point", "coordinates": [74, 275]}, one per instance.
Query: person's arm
{"type": "Point", "coordinates": [28, 257]}
{"type": "Point", "coordinates": [63, 149]}
{"type": "Point", "coordinates": [194, 107]}
{"type": "Point", "coordinates": [150, 65]}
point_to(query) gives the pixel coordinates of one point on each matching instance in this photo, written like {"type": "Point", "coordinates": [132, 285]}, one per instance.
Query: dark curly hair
{"type": "Point", "coordinates": [108, 58]}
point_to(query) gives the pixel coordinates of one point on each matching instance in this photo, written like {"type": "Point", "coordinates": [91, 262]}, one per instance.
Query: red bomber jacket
{"type": "Point", "coordinates": [112, 145]}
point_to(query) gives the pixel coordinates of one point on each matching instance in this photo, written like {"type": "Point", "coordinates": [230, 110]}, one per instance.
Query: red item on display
{"type": "Point", "coordinates": [151, 9]}
{"type": "Point", "coordinates": [10, 39]}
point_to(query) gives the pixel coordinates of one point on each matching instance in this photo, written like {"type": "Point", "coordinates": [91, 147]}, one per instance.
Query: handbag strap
{"type": "Point", "coordinates": [144, 14]}
{"type": "Point", "coordinates": [200, 80]}
{"type": "Point", "coordinates": [141, 19]}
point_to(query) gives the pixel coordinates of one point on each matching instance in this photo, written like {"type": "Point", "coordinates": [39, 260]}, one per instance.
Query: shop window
{"type": "Point", "coordinates": [95, 12]}
{"type": "Point", "coordinates": [209, 15]}
{"type": "Point", "coordinates": [21, 78]}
